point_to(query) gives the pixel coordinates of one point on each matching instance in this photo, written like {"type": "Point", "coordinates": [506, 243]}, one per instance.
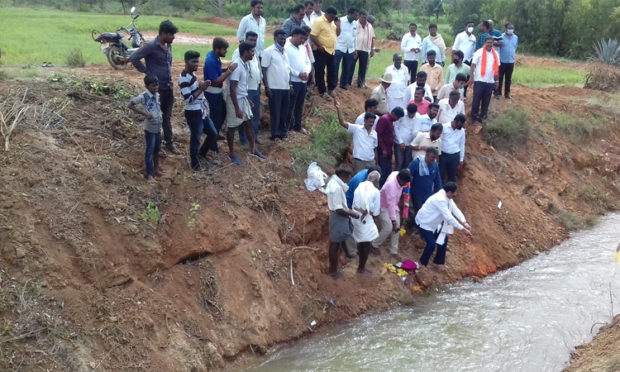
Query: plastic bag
{"type": "Point", "coordinates": [316, 178]}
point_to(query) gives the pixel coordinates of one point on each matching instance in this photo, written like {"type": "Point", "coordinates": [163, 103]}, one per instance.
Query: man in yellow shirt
{"type": "Point", "coordinates": [324, 34]}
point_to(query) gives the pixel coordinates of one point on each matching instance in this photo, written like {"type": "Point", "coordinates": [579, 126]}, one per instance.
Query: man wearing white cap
{"type": "Point", "coordinates": [380, 93]}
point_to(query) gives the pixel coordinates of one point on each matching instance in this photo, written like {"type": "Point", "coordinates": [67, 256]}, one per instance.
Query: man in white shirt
{"type": "Point", "coordinates": [427, 120]}
{"type": "Point", "coordinates": [340, 226]}
{"type": "Point", "coordinates": [276, 77]}
{"type": "Point", "coordinates": [300, 70]}
{"type": "Point", "coordinates": [365, 140]}
{"type": "Point", "coordinates": [308, 11]}
{"type": "Point", "coordinates": [458, 84]}
{"type": "Point", "coordinates": [365, 48]}
{"type": "Point", "coordinates": [254, 78]}
{"type": "Point", "coordinates": [405, 130]}
{"type": "Point", "coordinates": [367, 201]}
{"type": "Point", "coordinates": [452, 155]}
{"type": "Point", "coordinates": [346, 46]}
{"type": "Point", "coordinates": [256, 23]}
{"type": "Point", "coordinates": [410, 45]}
{"type": "Point", "coordinates": [450, 107]}
{"type": "Point", "coordinates": [428, 139]}
{"type": "Point", "coordinates": [238, 107]}
{"type": "Point", "coordinates": [420, 82]}
{"type": "Point", "coordinates": [466, 42]}
{"type": "Point", "coordinates": [318, 4]}
{"type": "Point", "coordinates": [370, 107]}
{"type": "Point", "coordinates": [484, 75]}
{"type": "Point", "coordinates": [400, 80]}
{"type": "Point", "coordinates": [439, 210]}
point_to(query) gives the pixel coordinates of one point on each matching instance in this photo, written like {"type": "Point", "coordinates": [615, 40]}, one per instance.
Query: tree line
{"type": "Point", "coordinates": [566, 28]}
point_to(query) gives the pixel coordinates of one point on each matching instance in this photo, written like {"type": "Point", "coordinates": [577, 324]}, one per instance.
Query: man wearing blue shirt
{"type": "Point", "coordinates": [214, 93]}
{"type": "Point", "coordinates": [507, 58]}
{"type": "Point", "coordinates": [425, 180]}
{"type": "Point", "coordinates": [359, 177]}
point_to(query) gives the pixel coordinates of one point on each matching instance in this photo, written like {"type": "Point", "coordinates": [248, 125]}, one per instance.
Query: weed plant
{"type": "Point", "coordinates": [328, 145]}
{"type": "Point", "coordinates": [509, 130]}
{"type": "Point", "coordinates": [576, 129]}
{"type": "Point", "coordinates": [75, 58]}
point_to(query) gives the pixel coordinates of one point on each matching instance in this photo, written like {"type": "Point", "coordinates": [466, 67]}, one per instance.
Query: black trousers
{"type": "Point", "coordinates": [413, 69]}
{"type": "Point", "coordinates": [449, 166]}
{"type": "Point", "coordinates": [166, 101]}
{"type": "Point", "coordinates": [481, 100]}
{"type": "Point", "coordinates": [505, 72]}
{"type": "Point", "coordinates": [323, 61]}
{"type": "Point", "coordinates": [362, 58]}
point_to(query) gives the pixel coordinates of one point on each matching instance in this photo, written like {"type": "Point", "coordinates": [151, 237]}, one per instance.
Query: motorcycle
{"type": "Point", "coordinates": [114, 47]}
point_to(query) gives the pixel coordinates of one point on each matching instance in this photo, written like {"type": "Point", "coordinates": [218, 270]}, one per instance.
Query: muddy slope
{"type": "Point", "coordinates": [99, 270]}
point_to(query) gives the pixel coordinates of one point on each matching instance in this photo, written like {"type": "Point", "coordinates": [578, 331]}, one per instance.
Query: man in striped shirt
{"type": "Point", "coordinates": [196, 109]}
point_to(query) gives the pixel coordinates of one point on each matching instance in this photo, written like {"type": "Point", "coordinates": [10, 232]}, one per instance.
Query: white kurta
{"type": "Point", "coordinates": [366, 197]}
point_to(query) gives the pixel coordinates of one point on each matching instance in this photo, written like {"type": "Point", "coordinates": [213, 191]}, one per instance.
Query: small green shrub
{"type": "Point", "coordinates": [509, 130]}
{"type": "Point", "coordinates": [577, 129]}
{"type": "Point", "coordinates": [151, 214]}
{"type": "Point", "coordinates": [75, 58]}
{"type": "Point", "coordinates": [607, 51]}
{"type": "Point", "coordinates": [328, 145]}
{"type": "Point", "coordinates": [572, 222]}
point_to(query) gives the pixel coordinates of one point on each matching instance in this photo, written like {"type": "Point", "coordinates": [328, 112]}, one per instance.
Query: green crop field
{"type": "Point", "coordinates": [34, 36]}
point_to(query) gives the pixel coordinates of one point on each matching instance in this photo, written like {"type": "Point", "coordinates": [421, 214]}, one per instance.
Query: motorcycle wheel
{"type": "Point", "coordinates": [113, 53]}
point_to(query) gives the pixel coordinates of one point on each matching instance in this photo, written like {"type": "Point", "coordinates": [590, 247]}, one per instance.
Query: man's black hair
{"type": "Point", "coordinates": [150, 79]}
{"type": "Point", "coordinates": [299, 31]}
{"type": "Point", "coordinates": [370, 102]}
{"type": "Point", "coordinates": [461, 118]}
{"type": "Point", "coordinates": [308, 2]}
{"type": "Point", "coordinates": [297, 8]}
{"type": "Point", "coordinates": [432, 25]}
{"type": "Point", "coordinates": [413, 24]}
{"type": "Point", "coordinates": [450, 187]}
{"type": "Point", "coordinates": [278, 32]}
{"type": "Point", "coordinates": [352, 10]}
{"type": "Point", "coordinates": [398, 111]}
{"type": "Point", "coordinates": [460, 77]}
{"type": "Point", "coordinates": [191, 54]}
{"type": "Point", "coordinates": [404, 175]}
{"type": "Point", "coordinates": [486, 25]}
{"type": "Point", "coordinates": [368, 115]}
{"type": "Point", "coordinates": [251, 34]}
{"type": "Point", "coordinates": [455, 93]}
{"type": "Point", "coordinates": [244, 47]}
{"type": "Point", "coordinates": [432, 106]}
{"type": "Point", "coordinates": [412, 108]}
{"type": "Point", "coordinates": [432, 150]}
{"type": "Point", "coordinates": [331, 10]}
{"type": "Point", "coordinates": [220, 43]}
{"type": "Point", "coordinates": [431, 53]}
{"type": "Point", "coordinates": [254, 3]}
{"type": "Point", "coordinates": [421, 74]}
{"type": "Point", "coordinates": [459, 53]}
{"type": "Point", "coordinates": [167, 27]}
{"type": "Point", "coordinates": [435, 127]}
{"type": "Point", "coordinates": [344, 170]}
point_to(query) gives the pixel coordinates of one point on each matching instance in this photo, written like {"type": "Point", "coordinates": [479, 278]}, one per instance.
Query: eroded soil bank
{"type": "Point", "coordinates": [99, 270]}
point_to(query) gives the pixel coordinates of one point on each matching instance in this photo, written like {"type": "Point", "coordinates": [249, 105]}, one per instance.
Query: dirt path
{"type": "Point", "coordinates": [192, 39]}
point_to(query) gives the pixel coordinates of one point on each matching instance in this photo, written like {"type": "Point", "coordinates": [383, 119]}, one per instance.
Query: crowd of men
{"type": "Point", "coordinates": [410, 134]}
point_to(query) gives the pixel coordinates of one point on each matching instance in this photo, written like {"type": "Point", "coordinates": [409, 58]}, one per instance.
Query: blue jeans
{"type": "Point", "coordinates": [431, 239]}
{"type": "Point", "coordinates": [385, 163]}
{"type": "Point", "coordinates": [347, 67]}
{"type": "Point", "coordinates": [254, 97]}
{"type": "Point", "coordinates": [296, 106]}
{"type": "Point", "coordinates": [210, 142]}
{"type": "Point", "coordinates": [217, 107]}
{"type": "Point", "coordinates": [278, 107]}
{"type": "Point", "coordinates": [153, 144]}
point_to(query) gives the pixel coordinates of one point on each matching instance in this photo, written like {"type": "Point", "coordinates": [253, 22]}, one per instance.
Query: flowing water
{"type": "Point", "coordinates": [527, 318]}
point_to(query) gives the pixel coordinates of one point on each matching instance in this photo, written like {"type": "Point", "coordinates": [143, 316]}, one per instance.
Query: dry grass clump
{"type": "Point", "coordinates": [603, 76]}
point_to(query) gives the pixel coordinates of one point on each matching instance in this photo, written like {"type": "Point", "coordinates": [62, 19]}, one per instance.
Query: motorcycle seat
{"type": "Point", "coordinates": [111, 36]}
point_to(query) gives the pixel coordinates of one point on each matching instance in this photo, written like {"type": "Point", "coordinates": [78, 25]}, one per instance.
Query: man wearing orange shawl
{"type": "Point", "coordinates": [484, 75]}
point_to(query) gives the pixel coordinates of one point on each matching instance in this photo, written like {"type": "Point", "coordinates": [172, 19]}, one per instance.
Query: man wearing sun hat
{"type": "Point", "coordinates": [380, 93]}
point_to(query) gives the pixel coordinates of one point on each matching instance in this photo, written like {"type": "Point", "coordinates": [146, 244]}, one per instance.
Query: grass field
{"type": "Point", "coordinates": [536, 77]}
{"type": "Point", "coordinates": [32, 36]}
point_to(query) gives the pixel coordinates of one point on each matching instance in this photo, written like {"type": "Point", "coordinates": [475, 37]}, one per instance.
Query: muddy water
{"type": "Point", "coordinates": [527, 318]}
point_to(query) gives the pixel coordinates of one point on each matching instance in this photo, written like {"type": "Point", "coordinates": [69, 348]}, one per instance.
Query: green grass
{"type": "Point", "coordinates": [540, 77]}
{"type": "Point", "coordinates": [577, 129]}
{"type": "Point", "coordinates": [509, 130]}
{"type": "Point", "coordinates": [32, 36]}
{"type": "Point", "coordinates": [328, 143]}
